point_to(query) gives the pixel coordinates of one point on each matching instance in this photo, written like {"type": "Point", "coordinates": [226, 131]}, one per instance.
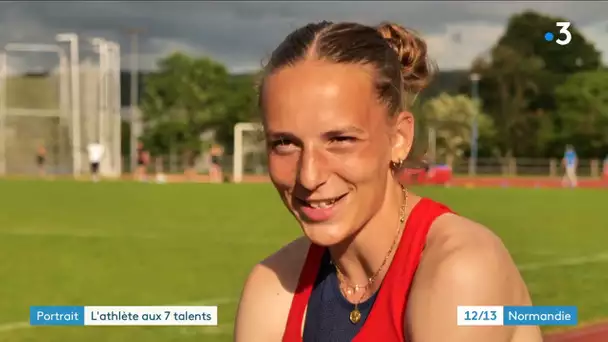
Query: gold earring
{"type": "Point", "coordinates": [397, 164]}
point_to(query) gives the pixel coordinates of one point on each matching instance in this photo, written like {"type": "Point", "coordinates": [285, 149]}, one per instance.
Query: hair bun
{"type": "Point", "coordinates": [416, 68]}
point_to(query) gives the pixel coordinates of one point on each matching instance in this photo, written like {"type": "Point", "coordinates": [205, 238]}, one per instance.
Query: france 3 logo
{"type": "Point", "coordinates": [563, 33]}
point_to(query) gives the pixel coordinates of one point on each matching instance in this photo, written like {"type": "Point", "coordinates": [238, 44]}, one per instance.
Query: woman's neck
{"type": "Point", "coordinates": [363, 254]}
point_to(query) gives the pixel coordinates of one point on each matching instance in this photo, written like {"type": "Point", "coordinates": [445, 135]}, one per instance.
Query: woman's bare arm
{"type": "Point", "coordinates": [466, 265]}
{"type": "Point", "coordinates": [267, 295]}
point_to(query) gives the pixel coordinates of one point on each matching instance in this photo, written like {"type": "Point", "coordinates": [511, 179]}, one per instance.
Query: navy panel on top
{"type": "Point", "coordinates": [328, 312]}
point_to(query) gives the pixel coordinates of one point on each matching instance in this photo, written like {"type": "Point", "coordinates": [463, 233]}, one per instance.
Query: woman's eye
{"type": "Point", "coordinates": [342, 139]}
{"type": "Point", "coordinates": [282, 145]}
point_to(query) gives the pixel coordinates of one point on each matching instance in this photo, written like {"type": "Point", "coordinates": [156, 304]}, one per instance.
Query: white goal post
{"type": "Point", "coordinates": [239, 155]}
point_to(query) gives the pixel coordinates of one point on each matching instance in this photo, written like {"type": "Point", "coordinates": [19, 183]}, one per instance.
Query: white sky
{"type": "Point", "coordinates": [242, 34]}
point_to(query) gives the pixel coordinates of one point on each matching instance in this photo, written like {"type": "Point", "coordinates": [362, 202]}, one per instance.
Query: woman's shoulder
{"type": "Point", "coordinates": [464, 263]}
{"type": "Point", "coordinates": [266, 298]}
{"type": "Point", "coordinates": [284, 265]}
{"type": "Point", "coordinates": [465, 248]}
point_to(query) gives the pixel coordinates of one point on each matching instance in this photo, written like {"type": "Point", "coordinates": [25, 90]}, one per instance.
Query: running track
{"type": "Point", "coordinates": [524, 182]}
{"type": "Point", "coordinates": [590, 333]}
{"type": "Point", "coordinates": [516, 182]}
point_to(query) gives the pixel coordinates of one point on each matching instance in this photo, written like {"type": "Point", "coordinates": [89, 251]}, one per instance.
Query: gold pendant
{"type": "Point", "coordinates": [355, 316]}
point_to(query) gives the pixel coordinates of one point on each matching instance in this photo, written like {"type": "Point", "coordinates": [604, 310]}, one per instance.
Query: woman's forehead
{"type": "Point", "coordinates": [309, 73]}
{"type": "Point", "coordinates": [329, 91]}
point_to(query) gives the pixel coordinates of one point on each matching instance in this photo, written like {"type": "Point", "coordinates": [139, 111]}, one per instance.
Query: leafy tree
{"type": "Point", "coordinates": [452, 116]}
{"type": "Point", "coordinates": [525, 33]}
{"type": "Point", "coordinates": [520, 77]}
{"type": "Point", "coordinates": [506, 88]}
{"type": "Point", "coordinates": [189, 96]}
{"type": "Point", "coordinates": [183, 99]}
{"type": "Point", "coordinates": [583, 107]}
{"type": "Point", "coordinates": [241, 108]}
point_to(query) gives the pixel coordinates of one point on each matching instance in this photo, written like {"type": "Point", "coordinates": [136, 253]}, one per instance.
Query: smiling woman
{"type": "Point", "coordinates": [335, 101]}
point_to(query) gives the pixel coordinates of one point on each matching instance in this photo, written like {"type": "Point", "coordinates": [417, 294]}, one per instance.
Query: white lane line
{"type": "Point", "coordinates": [13, 326]}
{"type": "Point", "coordinates": [575, 261]}
{"type": "Point", "coordinates": [76, 234]}
{"type": "Point", "coordinates": [91, 234]}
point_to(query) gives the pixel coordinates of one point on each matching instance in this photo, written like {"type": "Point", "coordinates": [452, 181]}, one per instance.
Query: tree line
{"type": "Point", "coordinates": [541, 95]}
{"type": "Point", "coordinates": [535, 97]}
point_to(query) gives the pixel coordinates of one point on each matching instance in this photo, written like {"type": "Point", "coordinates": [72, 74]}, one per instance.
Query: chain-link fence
{"type": "Point", "coordinates": [55, 104]}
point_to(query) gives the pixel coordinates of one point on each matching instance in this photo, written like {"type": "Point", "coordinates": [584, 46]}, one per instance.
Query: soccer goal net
{"type": "Point", "coordinates": [249, 152]}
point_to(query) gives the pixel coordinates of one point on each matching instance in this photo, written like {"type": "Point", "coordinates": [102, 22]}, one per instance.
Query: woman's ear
{"type": "Point", "coordinates": [403, 136]}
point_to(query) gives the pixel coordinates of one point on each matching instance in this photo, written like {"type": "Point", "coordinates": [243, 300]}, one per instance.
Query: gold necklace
{"type": "Point", "coordinates": [355, 314]}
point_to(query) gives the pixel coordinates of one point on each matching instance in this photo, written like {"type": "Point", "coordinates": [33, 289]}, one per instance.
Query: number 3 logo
{"type": "Point", "coordinates": [564, 25]}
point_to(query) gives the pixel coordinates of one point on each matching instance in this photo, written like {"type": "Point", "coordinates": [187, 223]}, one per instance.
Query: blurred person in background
{"type": "Point", "coordinates": [143, 158]}
{"type": "Point", "coordinates": [570, 163]}
{"type": "Point", "coordinates": [427, 164]}
{"type": "Point", "coordinates": [335, 99]}
{"type": "Point", "coordinates": [41, 160]}
{"type": "Point", "coordinates": [215, 169]}
{"type": "Point", "coordinates": [95, 151]}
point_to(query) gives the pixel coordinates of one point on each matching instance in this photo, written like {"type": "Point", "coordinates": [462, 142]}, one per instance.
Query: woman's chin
{"type": "Point", "coordinates": [325, 235]}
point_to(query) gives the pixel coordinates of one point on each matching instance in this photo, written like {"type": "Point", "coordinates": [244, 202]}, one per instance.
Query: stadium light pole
{"type": "Point", "coordinates": [101, 47]}
{"type": "Point", "coordinates": [474, 127]}
{"type": "Point", "coordinates": [134, 117]}
{"type": "Point", "coordinates": [3, 105]}
{"type": "Point", "coordinates": [72, 39]}
{"type": "Point", "coordinates": [114, 52]}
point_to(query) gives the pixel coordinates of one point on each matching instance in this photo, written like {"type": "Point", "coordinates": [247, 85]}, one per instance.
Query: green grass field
{"type": "Point", "coordinates": [68, 243]}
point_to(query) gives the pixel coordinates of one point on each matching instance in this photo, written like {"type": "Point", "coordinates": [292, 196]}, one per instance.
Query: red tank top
{"type": "Point", "coordinates": [386, 320]}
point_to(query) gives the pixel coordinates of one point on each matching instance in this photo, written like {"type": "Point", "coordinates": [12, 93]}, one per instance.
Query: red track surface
{"type": "Point", "coordinates": [516, 182]}
{"type": "Point", "coordinates": [592, 333]}
{"type": "Point", "coordinates": [522, 182]}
